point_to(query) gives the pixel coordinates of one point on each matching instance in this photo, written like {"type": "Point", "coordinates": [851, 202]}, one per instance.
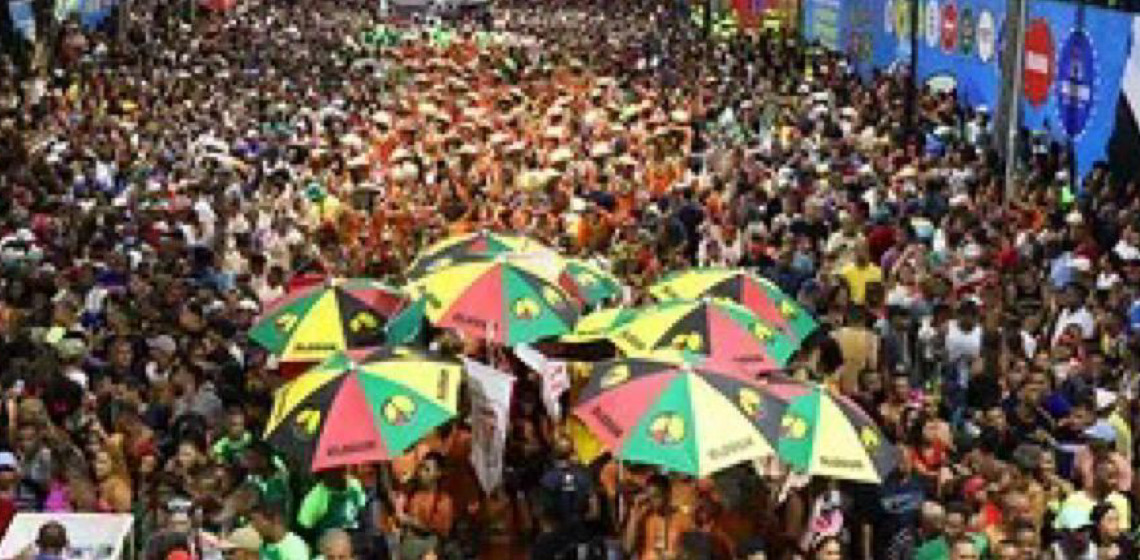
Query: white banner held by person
{"type": "Point", "coordinates": [90, 536]}
{"type": "Point", "coordinates": [490, 404]}
{"type": "Point", "coordinates": [555, 379]}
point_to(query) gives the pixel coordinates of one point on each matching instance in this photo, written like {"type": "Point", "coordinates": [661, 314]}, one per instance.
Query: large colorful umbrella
{"type": "Point", "coordinates": [344, 412]}
{"type": "Point", "coordinates": [683, 418]}
{"type": "Point", "coordinates": [496, 300]}
{"type": "Point", "coordinates": [313, 323]}
{"type": "Point", "coordinates": [462, 247]}
{"type": "Point", "coordinates": [825, 434]}
{"type": "Point", "coordinates": [764, 298]}
{"type": "Point", "coordinates": [599, 324]}
{"type": "Point", "coordinates": [720, 330]}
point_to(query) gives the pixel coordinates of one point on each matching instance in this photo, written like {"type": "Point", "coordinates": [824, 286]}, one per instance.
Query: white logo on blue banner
{"type": "Point", "coordinates": [889, 17]}
{"type": "Point", "coordinates": [1076, 82]}
{"type": "Point", "coordinates": [933, 23]}
{"type": "Point", "coordinates": [986, 36]}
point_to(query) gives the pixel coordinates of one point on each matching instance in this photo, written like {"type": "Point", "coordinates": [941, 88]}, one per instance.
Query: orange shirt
{"type": "Point", "coordinates": [435, 510]}
{"type": "Point", "coordinates": [661, 176]}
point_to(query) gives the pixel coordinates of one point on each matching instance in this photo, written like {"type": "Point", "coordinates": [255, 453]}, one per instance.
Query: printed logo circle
{"type": "Point", "coordinates": [933, 24]}
{"type": "Point", "coordinates": [526, 308]}
{"type": "Point", "coordinates": [1040, 66]}
{"type": "Point", "coordinates": [949, 26]}
{"type": "Point", "coordinates": [399, 410]}
{"type": "Point", "coordinates": [751, 403]}
{"type": "Point", "coordinates": [986, 36]}
{"type": "Point", "coordinates": [1076, 82]}
{"type": "Point", "coordinates": [667, 429]}
{"type": "Point", "coordinates": [966, 32]}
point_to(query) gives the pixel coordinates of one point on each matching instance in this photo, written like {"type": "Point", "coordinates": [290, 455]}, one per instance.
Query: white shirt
{"type": "Point", "coordinates": [962, 344]}
{"type": "Point", "coordinates": [1080, 317]}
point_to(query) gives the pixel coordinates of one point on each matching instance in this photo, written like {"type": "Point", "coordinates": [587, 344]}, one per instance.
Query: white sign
{"type": "Point", "coordinates": [90, 536]}
{"type": "Point", "coordinates": [987, 35]}
{"type": "Point", "coordinates": [490, 391]}
{"type": "Point", "coordinates": [555, 379]}
{"type": "Point", "coordinates": [933, 23]}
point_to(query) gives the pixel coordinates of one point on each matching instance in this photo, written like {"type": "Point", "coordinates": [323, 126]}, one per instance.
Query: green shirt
{"type": "Point", "coordinates": [939, 549]}
{"type": "Point", "coordinates": [324, 508]}
{"type": "Point", "coordinates": [229, 449]}
{"type": "Point", "coordinates": [275, 488]}
{"type": "Point", "coordinates": [289, 548]}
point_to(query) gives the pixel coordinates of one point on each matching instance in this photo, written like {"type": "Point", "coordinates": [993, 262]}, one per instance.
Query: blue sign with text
{"type": "Point", "coordinates": [1076, 86]}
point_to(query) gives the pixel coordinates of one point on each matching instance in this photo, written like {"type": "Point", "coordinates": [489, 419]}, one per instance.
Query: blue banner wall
{"type": "Point", "coordinates": [1075, 57]}
{"type": "Point", "coordinates": [1083, 93]}
{"type": "Point", "coordinates": [956, 38]}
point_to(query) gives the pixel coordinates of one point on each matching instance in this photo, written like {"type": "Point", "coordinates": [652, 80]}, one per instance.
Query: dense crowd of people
{"type": "Point", "coordinates": [161, 187]}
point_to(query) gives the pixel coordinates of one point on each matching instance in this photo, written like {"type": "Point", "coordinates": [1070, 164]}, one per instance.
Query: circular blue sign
{"type": "Point", "coordinates": [1076, 82]}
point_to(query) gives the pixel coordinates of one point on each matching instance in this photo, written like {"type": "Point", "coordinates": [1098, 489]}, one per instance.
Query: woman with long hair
{"type": "Point", "coordinates": [1108, 533]}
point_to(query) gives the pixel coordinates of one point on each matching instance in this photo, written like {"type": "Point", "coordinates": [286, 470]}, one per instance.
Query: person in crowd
{"type": "Point", "coordinates": [278, 542]}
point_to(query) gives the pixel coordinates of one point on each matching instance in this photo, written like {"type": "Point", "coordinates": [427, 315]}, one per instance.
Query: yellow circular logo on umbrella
{"type": "Point", "coordinates": [762, 331]}
{"type": "Point", "coordinates": [306, 423]}
{"type": "Point", "coordinates": [363, 321]}
{"type": "Point", "coordinates": [286, 322]}
{"type": "Point", "coordinates": [793, 427]}
{"type": "Point", "coordinates": [750, 403]}
{"type": "Point", "coordinates": [692, 342]}
{"type": "Point", "coordinates": [788, 309]}
{"type": "Point", "coordinates": [399, 410]}
{"type": "Point", "coordinates": [526, 308]}
{"type": "Point", "coordinates": [615, 376]}
{"type": "Point", "coordinates": [870, 439]}
{"type": "Point", "coordinates": [585, 279]}
{"type": "Point", "coordinates": [667, 428]}
{"type": "Point", "coordinates": [553, 297]}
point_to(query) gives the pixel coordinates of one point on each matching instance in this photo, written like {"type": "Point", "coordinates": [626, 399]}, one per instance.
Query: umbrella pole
{"type": "Point", "coordinates": [619, 503]}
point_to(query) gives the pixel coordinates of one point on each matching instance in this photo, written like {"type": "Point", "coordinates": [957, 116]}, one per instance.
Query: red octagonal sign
{"type": "Point", "coordinates": [1040, 62]}
{"type": "Point", "coordinates": [949, 26]}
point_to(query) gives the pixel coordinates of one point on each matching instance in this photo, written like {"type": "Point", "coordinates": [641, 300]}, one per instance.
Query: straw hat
{"type": "Point", "coordinates": [401, 154]}
{"type": "Point", "coordinates": [561, 155]}
{"type": "Point", "coordinates": [382, 118]}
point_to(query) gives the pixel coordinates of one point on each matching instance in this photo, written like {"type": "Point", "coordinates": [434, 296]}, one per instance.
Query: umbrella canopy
{"type": "Point", "coordinates": [825, 434]}
{"type": "Point", "coordinates": [720, 330]}
{"type": "Point", "coordinates": [600, 324]}
{"type": "Point", "coordinates": [588, 283]}
{"type": "Point", "coordinates": [344, 412]}
{"type": "Point", "coordinates": [760, 295]}
{"type": "Point", "coordinates": [683, 418]}
{"type": "Point", "coordinates": [472, 245]}
{"type": "Point", "coordinates": [496, 300]}
{"type": "Point", "coordinates": [337, 315]}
